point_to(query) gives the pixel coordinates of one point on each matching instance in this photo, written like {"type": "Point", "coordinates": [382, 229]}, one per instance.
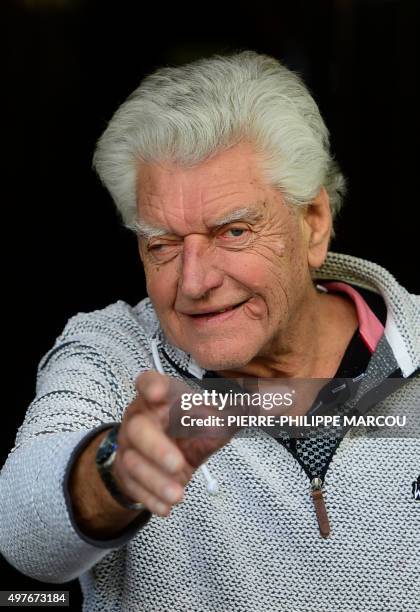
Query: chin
{"type": "Point", "coordinates": [223, 358]}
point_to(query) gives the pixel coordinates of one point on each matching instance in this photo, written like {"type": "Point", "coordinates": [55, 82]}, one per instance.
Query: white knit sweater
{"type": "Point", "coordinates": [256, 544]}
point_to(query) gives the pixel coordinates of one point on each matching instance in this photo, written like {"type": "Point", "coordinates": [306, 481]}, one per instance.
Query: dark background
{"type": "Point", "coordinates": [70, 63]}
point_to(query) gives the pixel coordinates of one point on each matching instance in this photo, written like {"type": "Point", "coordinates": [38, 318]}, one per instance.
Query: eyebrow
{"type": "Point", "coordinates": [145, 230]}
{"type": "Point", "coordinates": [240, 214]}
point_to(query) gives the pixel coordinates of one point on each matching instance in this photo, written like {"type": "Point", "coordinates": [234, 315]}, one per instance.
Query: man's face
{"type": "Point", "coordinates": [229, 243]}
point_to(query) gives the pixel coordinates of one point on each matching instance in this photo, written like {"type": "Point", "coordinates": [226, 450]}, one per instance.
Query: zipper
{"type": "Point", "coordinates": [316, 483]}
{"type": "Point", "coordinates": [320, 508]}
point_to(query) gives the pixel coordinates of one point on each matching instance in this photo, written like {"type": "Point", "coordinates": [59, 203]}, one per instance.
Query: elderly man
{"type": "Point", "coordinates": [222, 167]}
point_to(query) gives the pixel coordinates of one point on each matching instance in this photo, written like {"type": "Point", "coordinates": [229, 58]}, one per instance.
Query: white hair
{"type": "Point", "coordinates": [189, 113]}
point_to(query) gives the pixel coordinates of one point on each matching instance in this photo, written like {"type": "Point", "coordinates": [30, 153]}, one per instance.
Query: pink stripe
{"type": "Point", "coordinates": [370, 327]}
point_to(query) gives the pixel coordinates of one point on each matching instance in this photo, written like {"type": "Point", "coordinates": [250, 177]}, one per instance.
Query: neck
{"type": "Point", "coordinates": [312, 345]}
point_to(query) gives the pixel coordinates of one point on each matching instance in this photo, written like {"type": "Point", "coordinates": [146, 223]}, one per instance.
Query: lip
{"type": "Point", "coordinates": [214, 319]}
{"type": "Point", "coordinates": [211, 312]}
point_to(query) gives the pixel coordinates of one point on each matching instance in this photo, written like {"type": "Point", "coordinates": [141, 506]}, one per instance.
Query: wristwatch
{"type": "Point", "coordinates": [105, 457]}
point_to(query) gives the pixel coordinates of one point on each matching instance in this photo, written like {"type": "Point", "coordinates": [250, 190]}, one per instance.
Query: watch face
{"type": "Point", "coordinates": [106, 448]}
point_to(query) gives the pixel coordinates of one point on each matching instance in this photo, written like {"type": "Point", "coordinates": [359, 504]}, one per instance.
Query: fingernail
{"type": "Point", "coordinates": [161, 508]}
{"type": "Point", "coordinates": [171, 494]}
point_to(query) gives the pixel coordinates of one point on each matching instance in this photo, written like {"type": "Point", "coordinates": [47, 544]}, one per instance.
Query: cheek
{"type": "Point", "coordinates": [161, 287]}
{"type": "Point", "coordinates": [262, 268]}
{"type": "Point", "coordinates": [275, 272]}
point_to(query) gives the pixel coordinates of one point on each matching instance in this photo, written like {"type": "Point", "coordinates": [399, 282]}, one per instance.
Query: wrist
{"type": "Point", "coordinates": [104, 461]}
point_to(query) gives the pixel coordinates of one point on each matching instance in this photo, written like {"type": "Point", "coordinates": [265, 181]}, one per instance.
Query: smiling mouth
{"type": "Point", "coordinates": [216, 313]}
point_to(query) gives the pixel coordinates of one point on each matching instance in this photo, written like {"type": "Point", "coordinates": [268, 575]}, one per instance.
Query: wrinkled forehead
{"type": "Point", "coordinates": [183, 199]}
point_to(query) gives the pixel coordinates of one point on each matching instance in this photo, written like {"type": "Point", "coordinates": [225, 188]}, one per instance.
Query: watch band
{"type": "Point", "coordinates": [105, 457]}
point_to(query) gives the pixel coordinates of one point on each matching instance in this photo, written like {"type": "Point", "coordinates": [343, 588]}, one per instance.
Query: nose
{"type": "Point", "coordinates": [199, 272]}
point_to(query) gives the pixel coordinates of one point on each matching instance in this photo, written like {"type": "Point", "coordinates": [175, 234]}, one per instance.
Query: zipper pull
{"type": "Point", "coordinates": [320, 509]}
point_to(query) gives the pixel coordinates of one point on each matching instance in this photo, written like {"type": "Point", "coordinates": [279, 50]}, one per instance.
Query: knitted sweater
{"type": "Point", "coordinates": [254, 545]}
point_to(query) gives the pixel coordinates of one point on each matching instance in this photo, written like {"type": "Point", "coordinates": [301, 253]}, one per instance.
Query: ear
{"type": "Point", "coordinates": [317, 226]}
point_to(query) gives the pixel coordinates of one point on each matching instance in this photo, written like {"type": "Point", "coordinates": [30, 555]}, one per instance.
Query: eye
{"type": "Point", "coordinates": [235, 234]}
{"type": "Point", "coordinates": [163, 251]}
